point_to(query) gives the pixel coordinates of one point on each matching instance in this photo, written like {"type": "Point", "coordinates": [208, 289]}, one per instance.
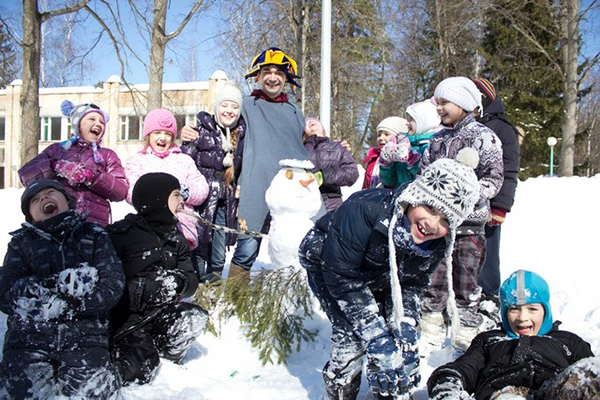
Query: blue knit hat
{"type": "Point", "coordinates": [525, 287]}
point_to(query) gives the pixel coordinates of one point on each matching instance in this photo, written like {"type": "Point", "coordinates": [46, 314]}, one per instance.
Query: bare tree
{"type": "Point", "coordinates": [29, 100]}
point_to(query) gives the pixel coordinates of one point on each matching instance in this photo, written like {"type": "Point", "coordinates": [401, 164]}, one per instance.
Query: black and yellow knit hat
{"type": "Point", "coordinates": [274, 56]}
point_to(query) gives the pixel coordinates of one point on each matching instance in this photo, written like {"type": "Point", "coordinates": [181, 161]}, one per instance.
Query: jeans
{"type": "Point", "coordinates": [210, 257]}
{"type": "Point", "coordinates": [246, 251]}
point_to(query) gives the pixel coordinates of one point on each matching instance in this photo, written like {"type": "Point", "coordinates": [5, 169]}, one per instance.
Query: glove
{"type": "Point", "coordinates": [498, 216]}
{"type": "Point", "coordinates": [77, 282]}
{"type": "Point", "coordinates": [74, 173]}
{"type": "Point", "coordinates": [163, 287]}
{"type": "Point", "coordinates": [185, 192]}
{"type": "Point", "coordinates": [319, 177]}
{"type": "Point", "coordinates": [397, 149]}
{"type": "Point", "coordinates": [385, 372]}
{"type": "Point", "coordinates": [449, 388]}
{"type": "Point", "coordinates": [38, 303]}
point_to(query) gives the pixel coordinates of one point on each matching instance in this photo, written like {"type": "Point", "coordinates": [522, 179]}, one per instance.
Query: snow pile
{"type": "Point", "coordinates": [551, 230]}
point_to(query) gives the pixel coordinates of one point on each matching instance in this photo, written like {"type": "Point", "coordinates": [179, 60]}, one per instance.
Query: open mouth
{"type": "Point", "coordinates": [49, 208]}
{"type": "Point", "coordinates": [423, 231]}
{"type": "Point", "coordinates": [524, 329]}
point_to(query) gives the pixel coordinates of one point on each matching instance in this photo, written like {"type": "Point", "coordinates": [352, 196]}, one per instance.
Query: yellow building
{"type": "Point", "coordinates": [126, 107]}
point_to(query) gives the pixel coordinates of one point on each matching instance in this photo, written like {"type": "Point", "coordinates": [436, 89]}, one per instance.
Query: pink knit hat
{"type": "Point", "coordinates": [160, 120]}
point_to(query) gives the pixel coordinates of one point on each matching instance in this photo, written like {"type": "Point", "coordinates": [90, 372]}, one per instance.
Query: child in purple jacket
{"type": "Point", "coordinates": [91, 174]}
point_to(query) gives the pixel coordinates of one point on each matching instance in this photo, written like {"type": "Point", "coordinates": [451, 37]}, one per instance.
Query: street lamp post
{"type": "Point", "coordinates": [551, 142]}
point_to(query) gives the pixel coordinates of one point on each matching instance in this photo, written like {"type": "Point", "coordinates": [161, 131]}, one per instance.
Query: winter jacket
{"type": "Point", "coordinates": [470, 133]}
{"type": "Point", "coordinates": [30, 277]}
{"type": "Point", "coordinates": [494, 360]}
{"type": "Point", "coordinates": [207, 153]}
{"type": "Point", "coordinates": [181, 167]}
{"type": "Point", "coordinates": [493, 117]}
{"type": "Point", "coordinates": [336, 164]}
{"type": "Point", "coordinates": [370, 163]}
{"type": "Point", "coordinates": [274, 133]}
{"type": "Point", "coordinates": [399, 173]}
{"type": "Point", "coordinates": [349, 247]}
{"type": "Point", "coordinates": [108, 182]}
{"type": "Point", "coordinates": [147, 258]}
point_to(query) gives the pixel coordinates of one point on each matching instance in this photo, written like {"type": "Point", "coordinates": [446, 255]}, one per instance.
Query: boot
{"type": "Point", "coordinates": [464, 337]}
{"type": "Point", "coordinates": [347, 392]}
{"type": "Point", "coordinates": [433, 329]}
{"type": "Point", "coordinates": [238, 272]}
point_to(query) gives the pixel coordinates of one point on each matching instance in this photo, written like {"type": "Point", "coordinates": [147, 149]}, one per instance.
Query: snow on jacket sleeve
{"type": "Point", "coordinates": [111, 182]}
{"type": "Point", "coordinates": [40, 167]}
{"type": "Point", "coordinates": [342, 256]}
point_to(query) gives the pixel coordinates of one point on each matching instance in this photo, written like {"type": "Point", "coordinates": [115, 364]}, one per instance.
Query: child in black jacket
{"type": "Point", "coordinates": [150, 321]}
{"type": "Point", "coordinates": [525, 355]}
{"type": "Point", "coordinates": [369, 261]}
{"type": "Point", "coordinates": [59, 280]}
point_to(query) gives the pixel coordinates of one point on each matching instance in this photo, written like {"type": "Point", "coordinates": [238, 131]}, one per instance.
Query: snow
{"type": "Point", "coordinates": [552, 230]}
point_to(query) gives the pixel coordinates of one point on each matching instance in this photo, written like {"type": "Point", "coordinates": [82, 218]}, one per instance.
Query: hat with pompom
{"type": "Point", "coordinates": [525, 287]}
{"type": "Point", "coordinates": [76, 113]}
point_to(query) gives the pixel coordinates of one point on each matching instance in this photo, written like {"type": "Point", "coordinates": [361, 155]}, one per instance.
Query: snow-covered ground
{"type": "Point", "coordinates": [552, 230]}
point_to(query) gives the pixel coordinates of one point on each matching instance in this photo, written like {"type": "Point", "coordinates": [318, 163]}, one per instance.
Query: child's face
{"type": "Point", "coordinates": [526, 319]}
{"type": "Point", "coordinates": [426, 223]}
{"type": "Point", "coordinates": [449, 112]}
{"type": "Point", "coordinates": [160, 141]}
{"type": "Point", "coordinates": [411, 124]}
{"type": "Point", "coordinates": [175, 202]}
{"type": "Point", "coordinates": [47, 203]}
{"type": "Point", "coordinates": [229, 112]}
{"type": "Point", "coordinates": [272, 79]}
{"type": "Point", "coordinates": [91, 127]}
{"type": "Point", "coordinates": [383, 137]}
{"type": "Point", "coordinates": [313, 127]}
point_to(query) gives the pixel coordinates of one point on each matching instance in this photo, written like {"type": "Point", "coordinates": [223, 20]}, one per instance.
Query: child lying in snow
{"type": "Point", "coordinates": [60, 279]}
{"type": "Point", "coordinates": [526, 355]}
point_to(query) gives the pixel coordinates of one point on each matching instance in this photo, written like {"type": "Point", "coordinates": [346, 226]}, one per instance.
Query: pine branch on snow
{"type": "Point", "coordinates": [271, 309]}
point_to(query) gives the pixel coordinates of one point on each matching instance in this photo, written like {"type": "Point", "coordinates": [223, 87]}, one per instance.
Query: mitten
{"type": "Point", "coordinates": [163, 287]}
{"type": "Point", "coordinates": [74, 173]}
{"type": "Point", "coordinates": [413, 158]}
{"type": "Point", "coordinates": [498, 216]}
{"type": "Point", "coordinates": [77, 282]}
{"type": "Point", "coordinates": [449, 388]}
{"type": "Point", "coordinates": [385, 372]}
{"type": "Point", "coordinates": [185, 192]}
{"type": "Point", "coordinates": [42, 304]}
{"type": "Point", "coordinates": [397, 149]}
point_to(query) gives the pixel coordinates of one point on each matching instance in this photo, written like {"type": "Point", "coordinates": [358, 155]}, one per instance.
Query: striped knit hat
{"type": "Point", "coordinates": [488, 92]}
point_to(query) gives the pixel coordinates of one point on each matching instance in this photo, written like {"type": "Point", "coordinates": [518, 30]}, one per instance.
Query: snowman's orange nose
{"type": "Point", "coordinates": [306, 182]}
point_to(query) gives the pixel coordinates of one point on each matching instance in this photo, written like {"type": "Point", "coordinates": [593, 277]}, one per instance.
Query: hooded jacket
{"type": "Point", "coordinates": [493, 117]}
{"type": "Point", "coordinates": [494, 360]}
{"type": "Point", "coordinates": [336, 164]}
{"type": "Point", "coordinates": [108, 182]}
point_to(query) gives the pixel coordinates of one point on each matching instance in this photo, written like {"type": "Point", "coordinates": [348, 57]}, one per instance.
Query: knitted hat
{"type": "Point", "coordinates": [525, 287]}
{"type": "Point", "coordinates": [160, 120]}
{"type": "Point", "coordinates": [77, 113]}
{"type": "Point", "coordinates": [451, 187]}
{"type": "Point", "coordinates": [151, 193]}
{"type": "Point", "coordinates": [37, 186]}
{"type": "Point", "coordinates": [425, 115]}
{"type": "Point", "coordinates": [460, 91]}
{"type": "Point", "coordinates": [395, 125]}
{"type": "Point", "coordinates": [228, 93]}
{"type": "Point", "coordinates": [488, 92]}
{"type": "Point", "coordinates": [274, 56]}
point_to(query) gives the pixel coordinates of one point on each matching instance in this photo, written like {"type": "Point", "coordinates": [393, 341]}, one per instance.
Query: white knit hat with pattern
{"type": "Point", "coordinates": [460, 91]}
{"type": "Point", "coordinates": [395, 125]}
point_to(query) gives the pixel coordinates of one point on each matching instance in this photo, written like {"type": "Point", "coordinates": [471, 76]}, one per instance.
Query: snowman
{"type": "Point", "coordinates": [293, 198]}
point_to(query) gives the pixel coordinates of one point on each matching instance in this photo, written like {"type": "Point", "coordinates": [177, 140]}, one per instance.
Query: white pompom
{"type": "Point", "coordinates": [468, 156]}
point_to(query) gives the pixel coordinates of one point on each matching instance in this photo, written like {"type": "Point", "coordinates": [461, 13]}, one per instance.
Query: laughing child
{"type": "Point", "coordinates": [368, 262]}
{"type": "Point", "coordinates": [151, 321]}
{"type": "Point", "coordinates": [528, 351]}
{"type": "Point", "coordinates": [161, 154]}
{"type": "Point", "coordinates": [60, 279]}
{"type": "Point", "coordinates": [93, 175]}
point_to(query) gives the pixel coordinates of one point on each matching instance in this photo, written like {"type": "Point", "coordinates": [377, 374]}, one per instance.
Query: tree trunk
{"type": "Point", "coordinates": [29, 100]}
{"type": "Point", "coordinates": [569, 51]}
{"type": "Point", "coordinates": [157, 55]}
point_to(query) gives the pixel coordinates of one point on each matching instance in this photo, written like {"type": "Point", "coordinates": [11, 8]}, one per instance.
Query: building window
{"type": "Point", "coordinates": [130, 127]}
{"type": "Point", "coordinates": [50, 128]}
{"type": "Point", "coordinates": [183, 120]}
{"type": "Point", "coordinates": [2, 128]}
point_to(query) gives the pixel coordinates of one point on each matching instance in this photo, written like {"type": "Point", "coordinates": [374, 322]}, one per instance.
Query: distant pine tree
{"type": "Point", "coordinates": [8, 59]}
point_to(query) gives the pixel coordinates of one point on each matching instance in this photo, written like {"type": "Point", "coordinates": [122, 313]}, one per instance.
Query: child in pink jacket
{"type": "Point", "coordinates": [93, 175]}
{"type": "Point", "coordinates": [161, 154]}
